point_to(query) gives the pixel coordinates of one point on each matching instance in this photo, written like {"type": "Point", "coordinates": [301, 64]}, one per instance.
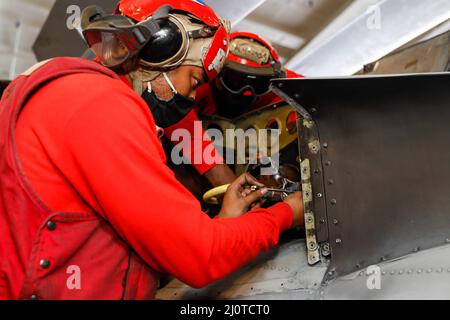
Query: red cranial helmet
{"type": "Point", "coordinates": [251, 64]}
{"type": "Point", "coordinates": [251, 50]}
{"type": "Point", "coordinates": [163, 34]}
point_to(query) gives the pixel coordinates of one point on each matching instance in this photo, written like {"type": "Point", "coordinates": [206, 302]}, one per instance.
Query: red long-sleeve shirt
{"type": "Point", "coordinates": [88, 142]}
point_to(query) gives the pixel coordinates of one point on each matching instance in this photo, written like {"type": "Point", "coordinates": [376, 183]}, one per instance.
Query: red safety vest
{"type": "Point", "coordinates": [57, 255]}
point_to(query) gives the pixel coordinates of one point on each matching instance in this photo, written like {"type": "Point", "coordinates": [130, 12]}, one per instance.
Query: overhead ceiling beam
{"type": "Point", "coordinates": [8, 50]}
{"type": "Point", "coordinates": [442, 28]}
{"type": "Point", "coordinates": [234, 10]}
{"type": "Point", "coordinates": [274, 35]}
{"type": "Point", "coordinates": [30, 11]}
{"type": "Point", "coordinates": [379, 30]}
{"type": "Point", "coordinates": [56, 40]}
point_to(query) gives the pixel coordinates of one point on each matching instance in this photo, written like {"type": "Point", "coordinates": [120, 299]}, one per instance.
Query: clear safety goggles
{"type": "Point", "coordinates": [160, 41]}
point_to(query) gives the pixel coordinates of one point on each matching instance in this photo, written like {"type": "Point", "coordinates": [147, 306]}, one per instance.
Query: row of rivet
{"type": "Point", "coordinates": [409, 271]}
{"type": "Point", "coordinates": [333, 202]}
{"type": "Point", "coordinates": [285, 269]}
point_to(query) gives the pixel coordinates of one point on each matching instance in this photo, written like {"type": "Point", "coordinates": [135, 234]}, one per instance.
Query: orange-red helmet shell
{"type": "Point", "coordinates": [215, 57]}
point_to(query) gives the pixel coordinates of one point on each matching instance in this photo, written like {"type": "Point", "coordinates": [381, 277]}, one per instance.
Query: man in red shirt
{"type": "Point", "coordinates": [244, 82]}
{"type": "Point", "coordinates": [242, 86]}
{"type": "Point", "coordinates": [88, 208]}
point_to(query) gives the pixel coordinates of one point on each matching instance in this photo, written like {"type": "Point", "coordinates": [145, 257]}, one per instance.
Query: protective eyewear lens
{"type": "Point", "coordinates": [108, 47]}
{"type": "Point", "coordinates": [238, 82]}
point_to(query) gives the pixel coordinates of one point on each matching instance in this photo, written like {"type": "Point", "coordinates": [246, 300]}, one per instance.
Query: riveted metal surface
{"type": "Point", "coordinates": [423, 275]}
{"type": "Point", "coordinates": [281, 273]}
{"type": "Point", "coordinates": [388, 158]}
{"type": "Point", "coordinates": [312, 175]}
{"type": "Point", "coordinates": [310, 225]}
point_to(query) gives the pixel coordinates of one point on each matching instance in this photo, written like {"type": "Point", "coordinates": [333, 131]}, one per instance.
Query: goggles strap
{"type": "Point", "coordinates": [204, 32]}
{"type": "Point", "coordinates": [161, 13]}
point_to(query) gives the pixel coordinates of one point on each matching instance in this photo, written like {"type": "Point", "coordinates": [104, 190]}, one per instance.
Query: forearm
{"type": "Point", "coordinates": [198, 250]}
{"type": "Point", "coordinates": [202, 154]}
{"type": "Point", "coordinates": [219, 175]}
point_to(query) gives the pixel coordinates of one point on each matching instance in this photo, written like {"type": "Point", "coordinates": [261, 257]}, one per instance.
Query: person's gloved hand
{"type": "Point", "coordinates": [239, 199]}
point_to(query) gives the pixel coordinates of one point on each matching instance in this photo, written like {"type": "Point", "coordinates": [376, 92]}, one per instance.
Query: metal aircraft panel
{"type": "Point", "coordinates": [281, 273]}
{"type": "Point", "coordinates": [424, 276]}
{"type": "Point", "coordinates": [384, 144]}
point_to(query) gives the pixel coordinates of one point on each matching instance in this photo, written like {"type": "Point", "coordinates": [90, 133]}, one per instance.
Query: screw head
{"type": "Point", "coordinates": [338, 240]}
{"type": "Point", "coordinates": [319, 195]}
{"type": "Point", "coordinates": [325, 145]}
{"type": "Point", "coordinates": [333, 202]}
